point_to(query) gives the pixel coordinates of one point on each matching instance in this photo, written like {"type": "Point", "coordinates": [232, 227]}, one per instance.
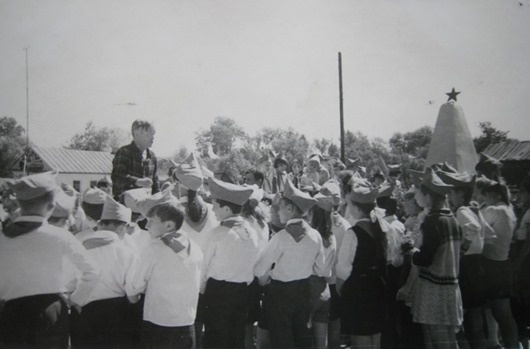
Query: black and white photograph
{"type": "Point", "coordinates": [313, 174]}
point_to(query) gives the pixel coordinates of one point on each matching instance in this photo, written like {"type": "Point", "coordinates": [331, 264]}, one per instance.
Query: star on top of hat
{"type": "Point", "coordinates": [452, 95]}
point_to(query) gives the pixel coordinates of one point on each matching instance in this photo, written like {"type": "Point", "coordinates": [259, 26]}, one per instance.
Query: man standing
{"type": "Point", "coordinates": [134, 165]}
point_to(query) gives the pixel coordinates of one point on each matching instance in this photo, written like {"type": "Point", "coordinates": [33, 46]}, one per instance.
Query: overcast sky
{"type": "Point", "coordinates": [262, 63]}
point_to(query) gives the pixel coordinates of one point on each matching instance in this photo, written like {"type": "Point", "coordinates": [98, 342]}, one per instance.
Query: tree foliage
{"type": "Point", "coordinates": [219, 138]}
{"type": "Point", "coordinates": [12, 144]}
{"type": "Point", "coordinates": [490, 135]}
{"type": "Point", "coordinates": [414, 143]}
{"type": "Point", "coordinates": [98, 139]}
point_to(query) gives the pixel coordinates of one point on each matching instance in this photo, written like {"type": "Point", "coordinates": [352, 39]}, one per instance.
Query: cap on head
{"type": "Point", "coordinates": [64, 205]}
{"type": "Point", "coordinates": [33, 186]}
{"type": "Point", "coordinates": [433, 182]}
{"type": "Point", "coordinates": [301, 199]}
{"type": "Point", "coordinates": [190, 173]}
{"type": "Point", "coordinates": [328, 196]}
{"type": "Point", "coordinates": [163, 197]}
{"type": "Point", "coordinates": [113, 210]}
{"type": "Point", "coordinates": [94, 196]}
{"type": "Point", "coordinates": [233, 193]}
{"type": "Point", "coordinates": [362, 191]}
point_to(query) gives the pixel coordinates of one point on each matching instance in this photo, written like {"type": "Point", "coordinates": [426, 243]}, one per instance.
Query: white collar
{"type": "Point", "coordinates": [35, 219]}
{"type": "Point", "coordinates": [294, 221]}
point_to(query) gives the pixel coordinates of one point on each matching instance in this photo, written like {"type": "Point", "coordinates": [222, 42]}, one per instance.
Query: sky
{"type": "Point", "coordinates": [263, 63]}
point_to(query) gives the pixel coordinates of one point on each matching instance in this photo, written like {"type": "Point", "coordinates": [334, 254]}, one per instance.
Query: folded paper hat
{"type": "Point", "coordinates": [159, 198]}
{"type": "Point", "coordinates": [339, 164]}
{"type": "Point", "coordinates": [190, 173]}
{"type": "Point", "coordinates": [257, 193]}
{"type": "Point", "coordinates": [362, 191]}
{"type": "Point", "coordinates": [33, 186]}
{"type": "Point", "coordinates": [64, 205]}
{"type": "Point", "coordinates": [459, 179]}
{"type": "Point", "coordinates": [315, 159]}
{"type": "Point", "coordinates": [416, 176]}
{"type": "Point", "coordinates": [352, 162]}
{"type": "Point", "coordinates": [385, 191]}
{"type": "Point", "coordinates": [302, 200]}
{"type": "Point", "coordinates": [95, 196]}
{"type": "Point", "coordinates": [233, 193]}
{"type": "Point", "coordinates": [69, 190]}
{"type": "Point", "coordinates": [489, 160]}
{"type": "Point", "coordinates": [113, 210]}
{"type": "Point", "coordinates": [432, 181]}
{"type": "Point", "coordinates": [132, 197]}
{"type": "Point", "coordinates": [328, 196]}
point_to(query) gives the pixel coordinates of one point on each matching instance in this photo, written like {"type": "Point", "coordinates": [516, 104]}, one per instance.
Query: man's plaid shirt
{"type": "Point", "coordinates": [128, 167]}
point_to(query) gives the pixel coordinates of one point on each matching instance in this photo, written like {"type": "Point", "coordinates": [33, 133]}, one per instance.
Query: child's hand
{"type": "Point", "coordinates": [407, 247]}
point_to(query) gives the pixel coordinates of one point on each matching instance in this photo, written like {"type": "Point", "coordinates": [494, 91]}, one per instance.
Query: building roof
{"type": "Point", "coordinates": [512, 150]}
{"type": "Point", "coordinates": [75, 161]}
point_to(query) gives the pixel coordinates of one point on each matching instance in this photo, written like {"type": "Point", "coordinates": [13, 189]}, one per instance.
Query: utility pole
{"type": "Point", "coordinates": [27, 99]}
{"type": "Point", "coordinates": [342, 157]}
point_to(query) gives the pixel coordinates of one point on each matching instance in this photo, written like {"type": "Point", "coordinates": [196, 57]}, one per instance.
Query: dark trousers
{"type": "Point", "coordinates": [226, 314]}
{"type": "Point", "coordinates": [101, 324]}
{"type": "Point", "coordinates": [162, 337]}
{"type": "Point", "coordinates": [289, 309]}
{"type": "Point", "coordinates": [39, 321]}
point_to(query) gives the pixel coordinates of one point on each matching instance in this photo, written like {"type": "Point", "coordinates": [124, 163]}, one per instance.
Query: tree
{"type": "Point", "coordinates": [12, 144]}
{"type": "Point", "coordinates": [415, 143]}
{"type": "Point", "coordinates": [326, 146]}
{"type": "Point", "coordinates": [219, 138]}
{"type": "Point", "coordinates": [291, 144]}
{"type": "Point", "coordinates": [98, 139]}
{"type": "Point", "coordinates": [490, 135]}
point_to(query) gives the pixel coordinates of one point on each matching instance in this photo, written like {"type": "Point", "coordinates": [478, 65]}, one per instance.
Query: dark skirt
{"type": "Point", "coordinates": [497, 278]}
{"type": "Point", "coordinates": [363, 305]}
{"type": "Point", "coordinates": [471, 281]}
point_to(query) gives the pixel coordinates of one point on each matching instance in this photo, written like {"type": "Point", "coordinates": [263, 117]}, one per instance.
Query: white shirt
{"type": "Point", "coordinates": [262, 232]}
{"type": "Point", "coordinates": [231, 254]}
{"type": "Point", "coordinates": [346, 255]}
{"type": "Point", "coordinates": [32, 264]}
{"type": "Point", "coordinates": [201, 237]}
{"type": "Point", "coordinates": [170, 281]}
{"type": "Point", "coordinates": [395, 237]}
{"type": "Point", "coordinates": [137, 240]}
{"type": "Point", "coordinates": [472, 229]}
{"type": "Point", "coordinates": [117, 263]}
{"type": "Point", "coordinates": [339, 228]}
{"type": "Point", "coordinates": [502, 219]}
{"type": "Point", "coordinates": [293, 260]}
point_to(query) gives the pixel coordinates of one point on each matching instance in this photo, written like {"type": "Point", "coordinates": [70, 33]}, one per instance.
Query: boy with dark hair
{"type": "Point", "coordinates": [227, 269]}
{"type": "Point", "coordinates": [35, 313]}
{"type": "Point", "coordinates": [169, 274]}
{"type": "Point", "coordinates": [297, 252]}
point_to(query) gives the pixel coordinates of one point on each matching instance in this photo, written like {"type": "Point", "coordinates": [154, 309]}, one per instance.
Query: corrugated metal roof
{"type": "Point", "coordinates": [509, 150]}
{"type": "Point", "coordinates": [75, 161]}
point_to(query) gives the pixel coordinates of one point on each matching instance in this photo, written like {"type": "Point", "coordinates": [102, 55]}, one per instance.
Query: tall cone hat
{"type": "Point", "coordinates": [451, 140]}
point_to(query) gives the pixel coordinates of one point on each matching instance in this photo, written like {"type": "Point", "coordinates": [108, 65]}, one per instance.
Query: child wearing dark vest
{"type": "Point", "coordinates": [296, 253]}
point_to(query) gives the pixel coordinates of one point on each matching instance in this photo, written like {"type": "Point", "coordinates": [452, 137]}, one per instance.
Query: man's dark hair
{"type": "Point", "coordinates": [235, 208]}
{"type": "Point", "coordinates": [141, 125]}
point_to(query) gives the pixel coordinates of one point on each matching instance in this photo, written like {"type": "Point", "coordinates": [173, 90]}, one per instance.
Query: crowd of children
{"type": "Point", "coordinates": [318, 257]}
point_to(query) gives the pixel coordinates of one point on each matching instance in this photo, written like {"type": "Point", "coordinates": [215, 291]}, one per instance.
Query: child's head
{"type": "Point", "coordinates": [225, 209]}
{"type": "Point", "coordinates": [492, 192]}
{"type": "Point", "coordinates": [280, 164]}
{"type": "Point", "coordinates": [288, 210]}
{"type": "Point", "coordinates": [36, 194]}
{"type": "Point", "coordinates": [117, 226]}
{"type": "Point", "coordinates": [42, 205]}
{"type": "Point", "coordinates": [460, 196]}
{"type": "Point", "coordinates": [164, 218]}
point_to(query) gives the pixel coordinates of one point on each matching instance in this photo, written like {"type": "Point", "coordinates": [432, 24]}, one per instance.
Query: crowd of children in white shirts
{"type": "Point", "coordinates": [318, 260]}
